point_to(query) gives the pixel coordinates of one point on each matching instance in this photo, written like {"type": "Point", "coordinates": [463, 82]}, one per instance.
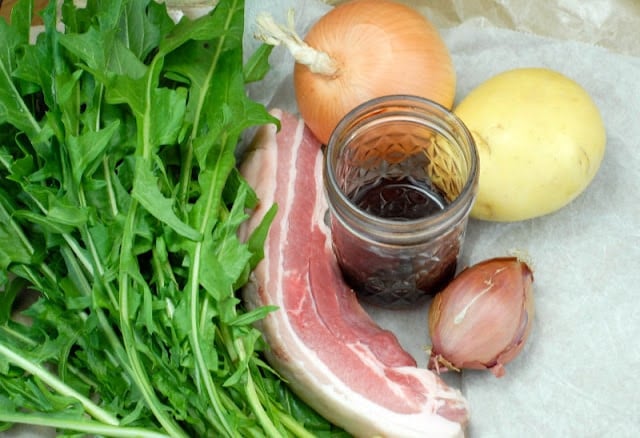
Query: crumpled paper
{"type": "Point", "coordinates": [611, 24]}
{"type": "Point", "coordinates": [578, 375]}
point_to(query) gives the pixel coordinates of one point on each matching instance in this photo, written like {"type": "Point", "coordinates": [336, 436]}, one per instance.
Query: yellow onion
{"type": "Point", "coordinates": [482, 319]}
{"type": "Point", "coordinates": [361, 50]}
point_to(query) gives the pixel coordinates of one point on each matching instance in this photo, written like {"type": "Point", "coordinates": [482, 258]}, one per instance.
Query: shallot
{"type": "Point", "coordinates": [482, 319]}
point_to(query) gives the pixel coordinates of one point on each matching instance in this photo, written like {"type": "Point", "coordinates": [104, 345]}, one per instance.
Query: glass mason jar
{"type": "Point", "coordinates": [401, 176]}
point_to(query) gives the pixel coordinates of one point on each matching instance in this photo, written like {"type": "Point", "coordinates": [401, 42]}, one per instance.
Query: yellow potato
{"type": "Point", "coordinates": [540, 139]}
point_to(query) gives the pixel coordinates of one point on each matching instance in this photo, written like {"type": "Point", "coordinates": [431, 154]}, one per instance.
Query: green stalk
{"type": "Point", "coordinates": [187, 159]}
{"type": "Point", "coordinates": [194, 305]}
{"type": "Point", "coordinates": [193, 300]}
{"type": "Point", "coordinates": [127, 258]}
{"type": "Point", "coordinates": [55, 383]}
{"type": "Point", "coordinates": [295, 427]}
{"type": "Point", "coordinates": [256, 406]}
{"type": "Point", "coordinates": [194, 339]}
{"type": "Point", "coordinates": [86, 426]}
{"type": "Point", "coordinates": [139, 374]}
{"type": "Point", "coordinates": [83, 285]}
{"type": "Point", "coordinates": [7, 216]}
{"type": "Point", "coordinates": [32, 128]}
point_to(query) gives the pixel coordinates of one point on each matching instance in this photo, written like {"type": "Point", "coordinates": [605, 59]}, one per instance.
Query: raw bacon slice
{"type": "Point", "coordinates": [321, 340]}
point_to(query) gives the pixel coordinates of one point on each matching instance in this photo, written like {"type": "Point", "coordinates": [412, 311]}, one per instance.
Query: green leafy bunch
{"type": "Point", "coordinates": [120, 202]}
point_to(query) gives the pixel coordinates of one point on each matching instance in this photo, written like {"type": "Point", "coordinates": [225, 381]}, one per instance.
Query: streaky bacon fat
{"type": "Point", "coordinates": [322, 342]}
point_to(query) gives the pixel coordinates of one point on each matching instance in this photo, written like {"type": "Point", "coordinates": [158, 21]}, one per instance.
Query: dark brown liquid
{"type": "Point", "coordinates": [390, 278]}
{"type": "Point", "coordinates": [402, 199]}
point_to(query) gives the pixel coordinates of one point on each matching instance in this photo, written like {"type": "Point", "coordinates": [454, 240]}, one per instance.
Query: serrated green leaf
{"type": "Point", "coordinates": [21, 17]}
{"type": "Point", "coordinates": [13, 108]}
{"type": "Point", "coordinates": [60, 217]}
{"type": "Point", "coordinates": [146, 192]}
{"type": "Point", "coordinates": [37, 62]}
{"type": "Point", "coordinates": [8, 294]}
{"type": "Point", "coordinates": [14, 247]}
{"type": "Point", "coordinates": [257, 314]}
{"type": "Point", "coordinates": [257, 66]}
{"type": "Point", "coordinates": [87, 150]}
{"type": "Point", "coordinates": [103, 54]}
{"type": "Point", "coordinates": [257, 239]}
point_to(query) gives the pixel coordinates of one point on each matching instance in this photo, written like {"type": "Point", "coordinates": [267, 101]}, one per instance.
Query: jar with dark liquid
{"type": "Point", "coordinates": [401, 176]}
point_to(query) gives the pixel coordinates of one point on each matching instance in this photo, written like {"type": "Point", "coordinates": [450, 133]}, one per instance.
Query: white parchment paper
{"type": "Point", "coordinates": [579, 374]}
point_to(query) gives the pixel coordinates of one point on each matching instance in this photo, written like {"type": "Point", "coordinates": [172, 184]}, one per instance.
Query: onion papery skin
{"type": "Point", "coordinates": [380, 48]}
{"type": "Point", "coordinates": [483, 318]}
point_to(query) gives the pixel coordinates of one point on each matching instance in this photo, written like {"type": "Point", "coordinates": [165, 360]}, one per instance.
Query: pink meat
{"type": "Point", "coordinates": [321, 340]}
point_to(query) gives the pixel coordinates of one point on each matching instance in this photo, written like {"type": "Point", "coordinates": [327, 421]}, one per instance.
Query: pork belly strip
{"type": "Point", "coordinates": [322, 342]}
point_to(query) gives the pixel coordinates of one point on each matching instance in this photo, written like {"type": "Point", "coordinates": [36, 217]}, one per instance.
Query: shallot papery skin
{"type": "Point", "coordinates": [483, 318]}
